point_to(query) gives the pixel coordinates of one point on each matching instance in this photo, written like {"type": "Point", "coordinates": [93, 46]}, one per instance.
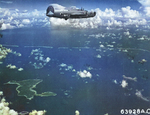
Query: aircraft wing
{"type": "Point", "coordinates": [76, 13]}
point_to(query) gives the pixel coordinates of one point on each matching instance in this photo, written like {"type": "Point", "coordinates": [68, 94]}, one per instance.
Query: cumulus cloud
{"type": "Point", "coordinates": [26, 21]}
{"type": "Point", "coordinates": [7, 2]}
{"type": "Point", "coordinates": [136, 22]}
{"type": "Point", "coordinates": [107, 13]}
{"type": "Point", "coordinates": [146, 4]}
{"type": "Point", "coordinates": [35, 13]}
{"type": "Point", "coordinates": [7, 26]}
{"type": "Point", "coordinates": [147, 10]}
{"type": "Point", "coordinates": [108, 17]}
{"type": "Point", "coordinates": [4, 12]}
{"type": "Point", "coordinates": [113, 22]}
{"type": "Point", "coordinates": [16, 18]}
{"type": "Point", "coordinates": [84, 74]}
{"type": "Point", "coordinates": [129, 13]}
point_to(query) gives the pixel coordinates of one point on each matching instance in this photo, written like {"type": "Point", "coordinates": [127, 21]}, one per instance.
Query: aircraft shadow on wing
{"type": "Point", "coordinates": [58, 11]}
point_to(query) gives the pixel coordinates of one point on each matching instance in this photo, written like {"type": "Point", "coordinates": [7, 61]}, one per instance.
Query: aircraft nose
{"type": "Point", "coordinates": [94, 13]}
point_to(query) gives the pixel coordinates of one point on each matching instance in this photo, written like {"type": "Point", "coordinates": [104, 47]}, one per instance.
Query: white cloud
{"type": "Point", "coordinates": [6, 12]}
{"type": "Point", "coordinates": [26, 21]}
{"type": "Point", "coordinates": [129, 13]}
{"type": "Point", "coordinates": [59, 21]}
{"type": "Point", "coordinates": [113, 22]}
{"type": "Point", "coordinates": [122, 17]}
{"type": "Point", "coordinates": [20, 26]}
{"type": "Point", "coordinates": [145, 2]}
{"type": "Point", "coordinates": [16, 10]}
{"type": "Point", "coordinates": [135, 22]}
{"type": "Point", "coordinates": [7, 26]}
{"type": "Point", "coordinates": [7, 2]}
{"type": "Point", "coordinates": [84, 74]}
{"type": "Point", "coordinates": [104, 18]}
{"type": "Point", "coordinates": [10, 19]}
{"type": "Point", "coordinates": [106, 13]}
{"type": "Point", "coordinates": [124, 84]}
{"type": "Point", "coordinates": [147, 10]}
{"type": "Point", "coordinates": [35, 13]}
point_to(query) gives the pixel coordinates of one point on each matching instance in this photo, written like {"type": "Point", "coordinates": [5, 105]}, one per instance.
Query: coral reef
{"type": "Point", "coordinates": [46, 94]}
{"type": "Point", "coordinates": [34, 112]}
{"type": "Point", "coordinates": [130, 78]}
{"type": "Point", "coordinates": [38, 59]}
{"type": "Point", "coordinates": [139, 95]}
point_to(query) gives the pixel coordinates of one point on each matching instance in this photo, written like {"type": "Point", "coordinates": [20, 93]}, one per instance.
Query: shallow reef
{"type": "Point", "coordinates": [35, 112]}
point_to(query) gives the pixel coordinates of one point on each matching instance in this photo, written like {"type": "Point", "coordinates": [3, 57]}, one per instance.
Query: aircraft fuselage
{"type": "Point", "coordinates": [73, 13]}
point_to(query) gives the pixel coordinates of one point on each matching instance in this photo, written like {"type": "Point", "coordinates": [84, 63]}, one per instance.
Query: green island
{"type": "Point", "coordinates": [25, 88]}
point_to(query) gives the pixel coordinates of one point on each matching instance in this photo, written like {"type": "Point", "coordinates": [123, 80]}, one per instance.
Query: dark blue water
{"type": "Point", "coordinates": [79, 51]}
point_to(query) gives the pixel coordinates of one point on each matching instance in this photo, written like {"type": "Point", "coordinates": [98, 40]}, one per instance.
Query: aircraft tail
{"type": "Point", "coordinates": [50, 11]}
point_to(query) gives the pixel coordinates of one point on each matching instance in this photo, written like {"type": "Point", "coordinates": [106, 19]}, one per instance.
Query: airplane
{"type": "Point", "coordinates": [58, 11]}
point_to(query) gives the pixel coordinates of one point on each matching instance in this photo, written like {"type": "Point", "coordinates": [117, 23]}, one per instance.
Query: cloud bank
{"type": "Point", "coordinates": [15, 18]}
{"type": "Point", "coordinates": [146, 5]}
{"type": "Point", "coordinates": [126, 16]}
{"type": "Point", "coordinates": [122, 17]}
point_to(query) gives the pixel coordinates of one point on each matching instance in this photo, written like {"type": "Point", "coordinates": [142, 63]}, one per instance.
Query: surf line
{"type": "Point", "coordinates": [9, 45]}
{"type": "Point", "coordinates": [134, 49]}
{"type": "Point", "coordinates": [39, 46]}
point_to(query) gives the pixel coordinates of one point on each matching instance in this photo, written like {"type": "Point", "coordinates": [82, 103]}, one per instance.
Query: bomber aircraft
{"type": "Point", "coordinates": [58, 11]}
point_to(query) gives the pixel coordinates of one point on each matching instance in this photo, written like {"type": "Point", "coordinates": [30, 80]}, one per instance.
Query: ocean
{"type": "Point", "coordinates": [107, 56]}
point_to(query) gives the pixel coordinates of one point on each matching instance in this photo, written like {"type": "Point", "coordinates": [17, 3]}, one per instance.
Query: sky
{"type": "Point", "coordinates": [20, 13]}
{"type": "Point", "coordinates": [67, 3]}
